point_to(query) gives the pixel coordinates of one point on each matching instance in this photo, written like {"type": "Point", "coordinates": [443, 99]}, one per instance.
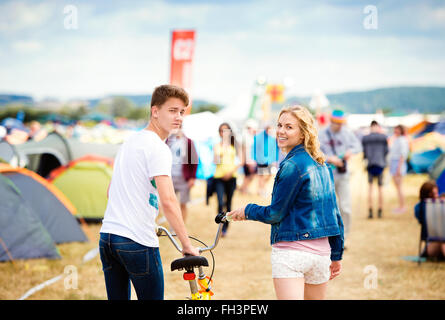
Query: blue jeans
{"type": "Point", "coordinates": [124, 260]}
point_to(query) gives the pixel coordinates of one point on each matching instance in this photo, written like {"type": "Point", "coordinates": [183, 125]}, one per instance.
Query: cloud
{"type": "Point", "coordinates": [27, 46]}
{"type": "Point", "coordinates": [125, 46]}
{"type": "Point", "coordinates": [20, 15]}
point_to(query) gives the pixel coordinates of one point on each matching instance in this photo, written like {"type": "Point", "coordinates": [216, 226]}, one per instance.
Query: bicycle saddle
{"type": "Point", "coordinates": [189, 262]}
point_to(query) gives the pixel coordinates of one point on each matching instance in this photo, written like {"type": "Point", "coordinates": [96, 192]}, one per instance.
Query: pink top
{"type": "Point", "coordinates": [319, 246]}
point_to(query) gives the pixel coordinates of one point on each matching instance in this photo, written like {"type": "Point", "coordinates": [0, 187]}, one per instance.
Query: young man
{"type": "Point", "coordinates": [129, 247]}
{"type": "Point", "coordinates": [375, 150]}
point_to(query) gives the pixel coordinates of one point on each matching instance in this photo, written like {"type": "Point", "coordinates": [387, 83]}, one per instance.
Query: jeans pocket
{"type": "Point", "coordinates": [136, 262]}
{"type": "Point", "coordinates": [106, 265]}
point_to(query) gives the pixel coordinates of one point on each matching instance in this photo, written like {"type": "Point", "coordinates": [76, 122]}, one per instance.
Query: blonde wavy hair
{"type": "Point", "coordinates": [308, 129]}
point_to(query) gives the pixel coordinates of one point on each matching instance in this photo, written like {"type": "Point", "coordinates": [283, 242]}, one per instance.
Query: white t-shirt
{"type": "Point", "coordinates": [133, 203]}
{"type": "Point", "coordinates": [399, 148]}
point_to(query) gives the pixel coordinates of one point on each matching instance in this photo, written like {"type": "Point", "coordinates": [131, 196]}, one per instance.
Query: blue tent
{"type": "Point", "coordinates": [22, 234]}
{"type": "Point", "coordinates": [422, 161]}
{"type": "Point", "coordinates": [440, 127]}
{"type": "Point", "coordinates": [437, 172]}
{"type": "Point", "coordinates": [441, 182]}
{"type": "Point", "coordinates": [429, 127]}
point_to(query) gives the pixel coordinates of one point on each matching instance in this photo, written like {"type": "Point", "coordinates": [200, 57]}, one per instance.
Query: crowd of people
{"type": "Point", "coordinates": [310, 210]}
{"type": "Point", "coordinates": [258, 156]}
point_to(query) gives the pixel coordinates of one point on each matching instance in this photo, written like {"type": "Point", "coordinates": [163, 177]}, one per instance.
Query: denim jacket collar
{"type": "Point", "coordinates": [294, 150]}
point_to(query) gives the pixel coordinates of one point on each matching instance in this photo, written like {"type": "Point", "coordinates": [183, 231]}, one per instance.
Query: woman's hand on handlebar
{"type": "Point", "coordinates": [238, 214]}
{"type": "Point", "coordinates": [190, 251]}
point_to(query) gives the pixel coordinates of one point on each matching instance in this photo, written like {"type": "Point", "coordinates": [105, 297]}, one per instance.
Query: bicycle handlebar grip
{"type": "Point", "coordinates": [222, 217]}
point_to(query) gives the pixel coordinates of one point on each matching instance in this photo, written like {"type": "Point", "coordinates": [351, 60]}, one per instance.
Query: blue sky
{"type": "Point", "coordinates": [122, 47]}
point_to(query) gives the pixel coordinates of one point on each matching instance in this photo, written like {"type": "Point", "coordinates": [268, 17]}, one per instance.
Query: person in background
{"type": "Point", "coordinates": [36, 132]}
{"type": "Point", "coordinates": [428, 190]}
{"type": "Point", "coordinates": [249, 165]}
{"type": "Point", "coordinates": [265, 152]}
{"type": "Point", "coordinates": [375, 150]}
{"type": "Point", "coordinates": [338, 143]}
{"type": "Point", "coordinates": [184, 167]}
{"type": "Point", "coordinates": [398, 167]}
{"type": "Point", "coordinates": [306, 225]}
{"type": "Point", "coordinates": [225, 157]}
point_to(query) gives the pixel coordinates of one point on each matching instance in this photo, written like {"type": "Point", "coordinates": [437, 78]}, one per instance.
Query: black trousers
{"type": "Point", "coordinates": [225, 188]}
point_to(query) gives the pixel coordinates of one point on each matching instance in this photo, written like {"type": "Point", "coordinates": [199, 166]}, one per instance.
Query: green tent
{"type": "Point", "coordinates": [85, 183]}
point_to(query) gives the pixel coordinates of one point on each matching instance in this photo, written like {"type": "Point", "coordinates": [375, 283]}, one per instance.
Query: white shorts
{"type": "Point", "coordinates": [288, 263]}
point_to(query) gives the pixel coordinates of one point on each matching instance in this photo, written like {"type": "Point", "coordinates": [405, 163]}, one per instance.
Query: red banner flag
{"type": "Point", "coordinates": [182, 49]}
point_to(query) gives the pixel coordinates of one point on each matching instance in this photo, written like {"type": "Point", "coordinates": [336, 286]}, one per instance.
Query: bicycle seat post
{"type": "Point", "coordinates": [201, 274]}
{"type": "Point", "coordinates": [190, 276]}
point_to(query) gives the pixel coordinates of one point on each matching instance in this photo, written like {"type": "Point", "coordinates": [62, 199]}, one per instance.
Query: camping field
{"type": "Point", "coordinates": [373, 267]}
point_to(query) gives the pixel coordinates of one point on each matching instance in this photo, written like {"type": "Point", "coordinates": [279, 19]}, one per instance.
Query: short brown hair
{"type": "Point", "coordinates": [402, 129]}
{"type": "Point", "coordinates": [426, 190]}
{"type": "Point", "coordinates": [162, 93]}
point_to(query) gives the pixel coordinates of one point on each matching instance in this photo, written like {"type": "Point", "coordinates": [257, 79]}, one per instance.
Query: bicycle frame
{"type": "Point", "coordinates": [204, 282]}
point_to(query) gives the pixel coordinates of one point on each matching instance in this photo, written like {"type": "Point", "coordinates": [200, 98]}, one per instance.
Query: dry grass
{"type": "Point", "coordinates": [243, 258]}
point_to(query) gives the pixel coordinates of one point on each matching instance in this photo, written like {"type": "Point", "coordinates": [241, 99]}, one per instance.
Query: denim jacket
{"type": "Point", "coordinates": [304, 204]}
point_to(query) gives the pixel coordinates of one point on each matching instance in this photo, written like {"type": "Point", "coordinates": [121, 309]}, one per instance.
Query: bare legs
{"type": "Point", "coordinates": [263, 179]}
{"type": "Point", "coordinates": [296, 289]}
{"type": "Point", "coordinates": [380, 200]}
{"type": "Point", "coordinates": [246, 183]}
{"type": "Point", "coordinates": [184, 211]}
{"type": "Point", "coordinates": [398, 179]}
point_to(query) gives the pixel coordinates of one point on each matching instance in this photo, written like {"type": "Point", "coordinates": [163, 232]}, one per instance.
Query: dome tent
{"type": "Point", "coordinates": [22, 235]}
{"type": "Point", "coordinates": [52, 208]}
{"type": "Point", "coordinates": [55, 150]}
{"type": "Point", "coordinates": [84, 182]}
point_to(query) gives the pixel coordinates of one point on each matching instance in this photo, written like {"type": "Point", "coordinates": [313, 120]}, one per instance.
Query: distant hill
{"type": "Point", "coordinates": [397, 100]}
{"type": "Point", "coordinates": [137, 100]}
{"type": "Point", "coordinates": [140, 100]}
{"type": "Point", "coordinates": [15, 99]}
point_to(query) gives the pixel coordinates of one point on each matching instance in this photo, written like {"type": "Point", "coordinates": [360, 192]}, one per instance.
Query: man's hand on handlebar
{"type": "Point", "coordinates": [237, 215]}
{"type": "Point", "coordinates": [190, 251]}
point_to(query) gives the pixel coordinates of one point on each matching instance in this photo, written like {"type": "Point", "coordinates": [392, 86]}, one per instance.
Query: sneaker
{"type": "Point", "coordinates": [379, 213]}
{"type": "Point", "coordinates": [370, 214]}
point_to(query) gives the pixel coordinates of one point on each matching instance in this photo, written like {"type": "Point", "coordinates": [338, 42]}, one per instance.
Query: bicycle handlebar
{"type": "Point", "coordinates": [220, 219]}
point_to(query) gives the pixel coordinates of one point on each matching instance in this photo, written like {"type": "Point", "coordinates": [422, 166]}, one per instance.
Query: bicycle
{"type": "Point", "coordinates": [189, 263]}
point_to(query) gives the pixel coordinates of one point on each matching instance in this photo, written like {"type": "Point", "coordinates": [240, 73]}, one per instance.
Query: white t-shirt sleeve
{"type": "Point", "coordinates": [405, 148]}
{"type": "Point", "coordinates": [159, 161]}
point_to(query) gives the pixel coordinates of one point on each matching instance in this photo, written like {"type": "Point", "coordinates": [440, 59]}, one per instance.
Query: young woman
{"type": "Point", "coordinates": [225, 154]}
{"type": "Point", "coordinates": [397, 163]}
{"type": "Point", "coordinates": [307, 233]}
